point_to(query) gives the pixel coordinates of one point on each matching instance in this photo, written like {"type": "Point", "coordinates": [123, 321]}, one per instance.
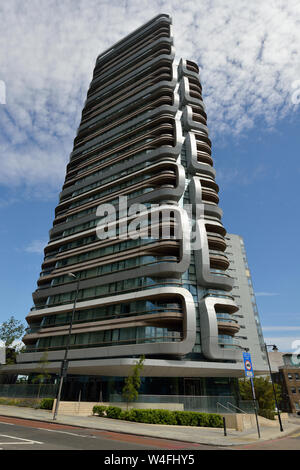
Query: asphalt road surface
{"type": "Point", "coordinates": [23, 434]}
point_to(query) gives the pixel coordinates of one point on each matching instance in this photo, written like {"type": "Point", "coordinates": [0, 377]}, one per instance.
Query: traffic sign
{"type": "Point", "coordinates": [248, 365]}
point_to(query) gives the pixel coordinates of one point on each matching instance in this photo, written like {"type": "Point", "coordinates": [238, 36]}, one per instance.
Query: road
{"type": "Point", "coordinates": [24, 434]}
{"type": "Point", "coordinates": [291, 442]}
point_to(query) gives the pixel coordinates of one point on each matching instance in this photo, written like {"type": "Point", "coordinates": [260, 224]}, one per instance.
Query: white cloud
{"type": "Point", "coordinates": [281, 328]}
{"type": "Point", "coordinates": [36, 246]}
{"type": "Point", "coordinates": [284, 343]}
{"type": "Point", "coordinates": [266, 294]}
{"type": "Point", "coordinates": [249, 55]}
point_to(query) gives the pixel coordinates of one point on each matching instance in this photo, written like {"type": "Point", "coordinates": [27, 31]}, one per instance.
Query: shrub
{"type": "Point", "coordinates": [152, 416]}
{"type": "Point", "coordinates": [7, 401]}
{"type": "Point", "coordinates": [99, 410]}
{"type": "Point", "coordinates": [215, 421]}
{"type": "Point", "coordinates": [27, 402]}
{"type": "Point", "coordinates": [203, 419]}
{"type": "Point", "coordinates": [126, 415]}
{"type": "Point", "coordinates": [46, 403]}
{"type": "Point", "coordinates": [113, 412]}
{"type": "Point", "coordinates": [187, 418]}
{"type": "Point", "coordinates": [158, 416]}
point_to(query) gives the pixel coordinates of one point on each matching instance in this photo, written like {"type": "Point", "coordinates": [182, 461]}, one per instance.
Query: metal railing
{"type": "Point", "coordinates": [28, 390]}
{"type": "Point", "coordinates": [245, 407]}
{"type": "Point", "coordinates": [236, 408]}
{"type": "Point", "coordinates": [200, 403]}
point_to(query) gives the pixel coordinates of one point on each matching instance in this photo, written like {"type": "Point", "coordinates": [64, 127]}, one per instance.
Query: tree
{"type": "Point", "coordinates": [133, 382]}
{"type": "Point", "coordinates": [11, 331]}
{"type": "Point", "coordinates": [42, 372]}
{"type": "Point", "coordinates": [263, 392]}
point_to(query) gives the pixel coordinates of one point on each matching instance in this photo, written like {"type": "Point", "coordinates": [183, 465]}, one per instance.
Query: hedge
{"type": "Point", "coordinates": [27, 402]}
{"type": "Point", "coordinates": [158, 416]}
{"type": "Point", "coordinates": [99, 410]}
{"type": "Point", "coordinates": [46, 403]}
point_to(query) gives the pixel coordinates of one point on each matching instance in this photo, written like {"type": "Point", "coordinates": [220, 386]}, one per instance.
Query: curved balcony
{"type": "Point", "coordinates": [203, 146]}
{"type": "Point", "coordinates": [98, 85]}
{"type": "Point", "coordinates": [218, 260]}
{"type": "Point", "coordinates": [228, 343]}
{"type": "Point", "coordinates": [203, 157]}
{"type": "Point", "coordinates": [198, 114]}
{"type": "Point", "coordinates": [103, 125]}
{"type": "Point", "coordinates": [227, 325]}
{"type": "Point", "coordinates": [208, 182]}
{"type": "Point", "coordinates": [210, 195]}
{"type": "Point", "coordinates": [216, 242]}
{"type": "Point", "coordinates": [115, 311]}
{"type": "Point", "coordinates": [120, 266]}
{"type": "Point", "coordinates": [192, 66]}
{"type": "Point", "coordinates": [218, 229]}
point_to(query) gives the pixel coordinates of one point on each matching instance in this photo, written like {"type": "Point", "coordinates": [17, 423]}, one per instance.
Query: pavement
{"type": "Point", "coordinates": [208, 436]}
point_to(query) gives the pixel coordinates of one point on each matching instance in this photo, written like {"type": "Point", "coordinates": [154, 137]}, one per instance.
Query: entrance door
{"type": "Point", "coordinates": [192, 387]}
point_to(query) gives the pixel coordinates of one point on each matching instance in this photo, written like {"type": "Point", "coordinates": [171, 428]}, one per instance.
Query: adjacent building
{"type": "Point", "coordinates": [140, 183]}
{"type": "Point", "coordinates": [250, 335]}
{"type": "Point", "coordinates": [2, 355]}
{"type": "Point", "coordinates": [285, 369]}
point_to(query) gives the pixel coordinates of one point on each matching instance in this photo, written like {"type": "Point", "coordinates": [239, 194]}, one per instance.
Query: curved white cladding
{"type": "Point", "coordinates": [205, 277]}
{"type": "Point", "coordinates": [199, 166]}
{"type": "Point", "coordinates": [209, 330]}
{"type": "Point", "coordinates": [179, 348]}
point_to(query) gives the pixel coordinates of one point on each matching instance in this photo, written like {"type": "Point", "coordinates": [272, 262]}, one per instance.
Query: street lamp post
{"type": "Point", "coordinates": [274, 391]}
{"type": "Point", "coordinates": [64, 364]}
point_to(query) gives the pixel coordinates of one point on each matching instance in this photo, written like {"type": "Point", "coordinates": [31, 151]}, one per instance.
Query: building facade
{"type": "Point", "coordinates": [250, 335]}
{"type": "Point", "coordinates": [286, 373]}
{"type": "Point", "coordinates": [141, 164]}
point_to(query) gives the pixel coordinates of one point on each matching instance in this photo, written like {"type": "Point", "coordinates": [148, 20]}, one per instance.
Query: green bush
{"type": "Point", "coordinates": [152, 416]}
{"type": "Point", "coordinates": [26, 402]}
{"type": "Point", "coordinates": [113, 412]}
{"type": "Point", "coordinates": [99, 410]}
{"type": "Point", "coordinates": [8, 401]}
{"type": "Point", "coordinates": [158, 416]}
{"type": "Point", "coordinates": [187, 418]}
{"type": "Point", "coordinates": [125, 415]}
{"type": "Point", "coordinates": [46, 403]}
{"type": "Point", "coordinates": [215, 421]}
{"type": "Point", "coordinates": [193, 418]}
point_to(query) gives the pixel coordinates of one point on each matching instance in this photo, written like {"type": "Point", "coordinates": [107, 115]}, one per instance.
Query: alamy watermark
{"type": "Point", "coordinates": [296, 94]}
{"type": "Point", "coordinates": [2, 92]}
{"type": "Point", "coordinates": [155, 221]}
{"type": "Point", "coordinates": [296, 354]}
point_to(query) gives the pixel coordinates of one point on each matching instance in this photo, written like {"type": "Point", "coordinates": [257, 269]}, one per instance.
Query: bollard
{"type": "Point", "coordinates": [224, 425]}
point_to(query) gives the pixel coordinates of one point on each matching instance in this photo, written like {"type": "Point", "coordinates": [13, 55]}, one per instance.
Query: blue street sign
{"type": "Point", "coordinates": [248, 365]}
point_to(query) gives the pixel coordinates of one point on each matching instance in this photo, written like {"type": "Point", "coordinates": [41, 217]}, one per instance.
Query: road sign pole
{"type": "Point", "coordinates": [250, 374]}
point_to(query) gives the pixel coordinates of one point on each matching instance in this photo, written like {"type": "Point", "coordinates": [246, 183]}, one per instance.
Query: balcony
{"type": "Point", "coordinates": [226, 324]}
{"type": "Point", "coordinates": [228, 343]}
{"type": "Point", "coordinates": [218, 260]}
{"type": "Point", "coordinates": [216, 242]}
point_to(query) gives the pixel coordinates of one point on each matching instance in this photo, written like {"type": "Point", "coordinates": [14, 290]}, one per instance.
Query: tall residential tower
{"type": "Point", "coordinates": [143, 139]}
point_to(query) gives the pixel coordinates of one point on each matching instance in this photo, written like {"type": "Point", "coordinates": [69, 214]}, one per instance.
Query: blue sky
{"type": "Point", "coordinates": [249, 57]}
